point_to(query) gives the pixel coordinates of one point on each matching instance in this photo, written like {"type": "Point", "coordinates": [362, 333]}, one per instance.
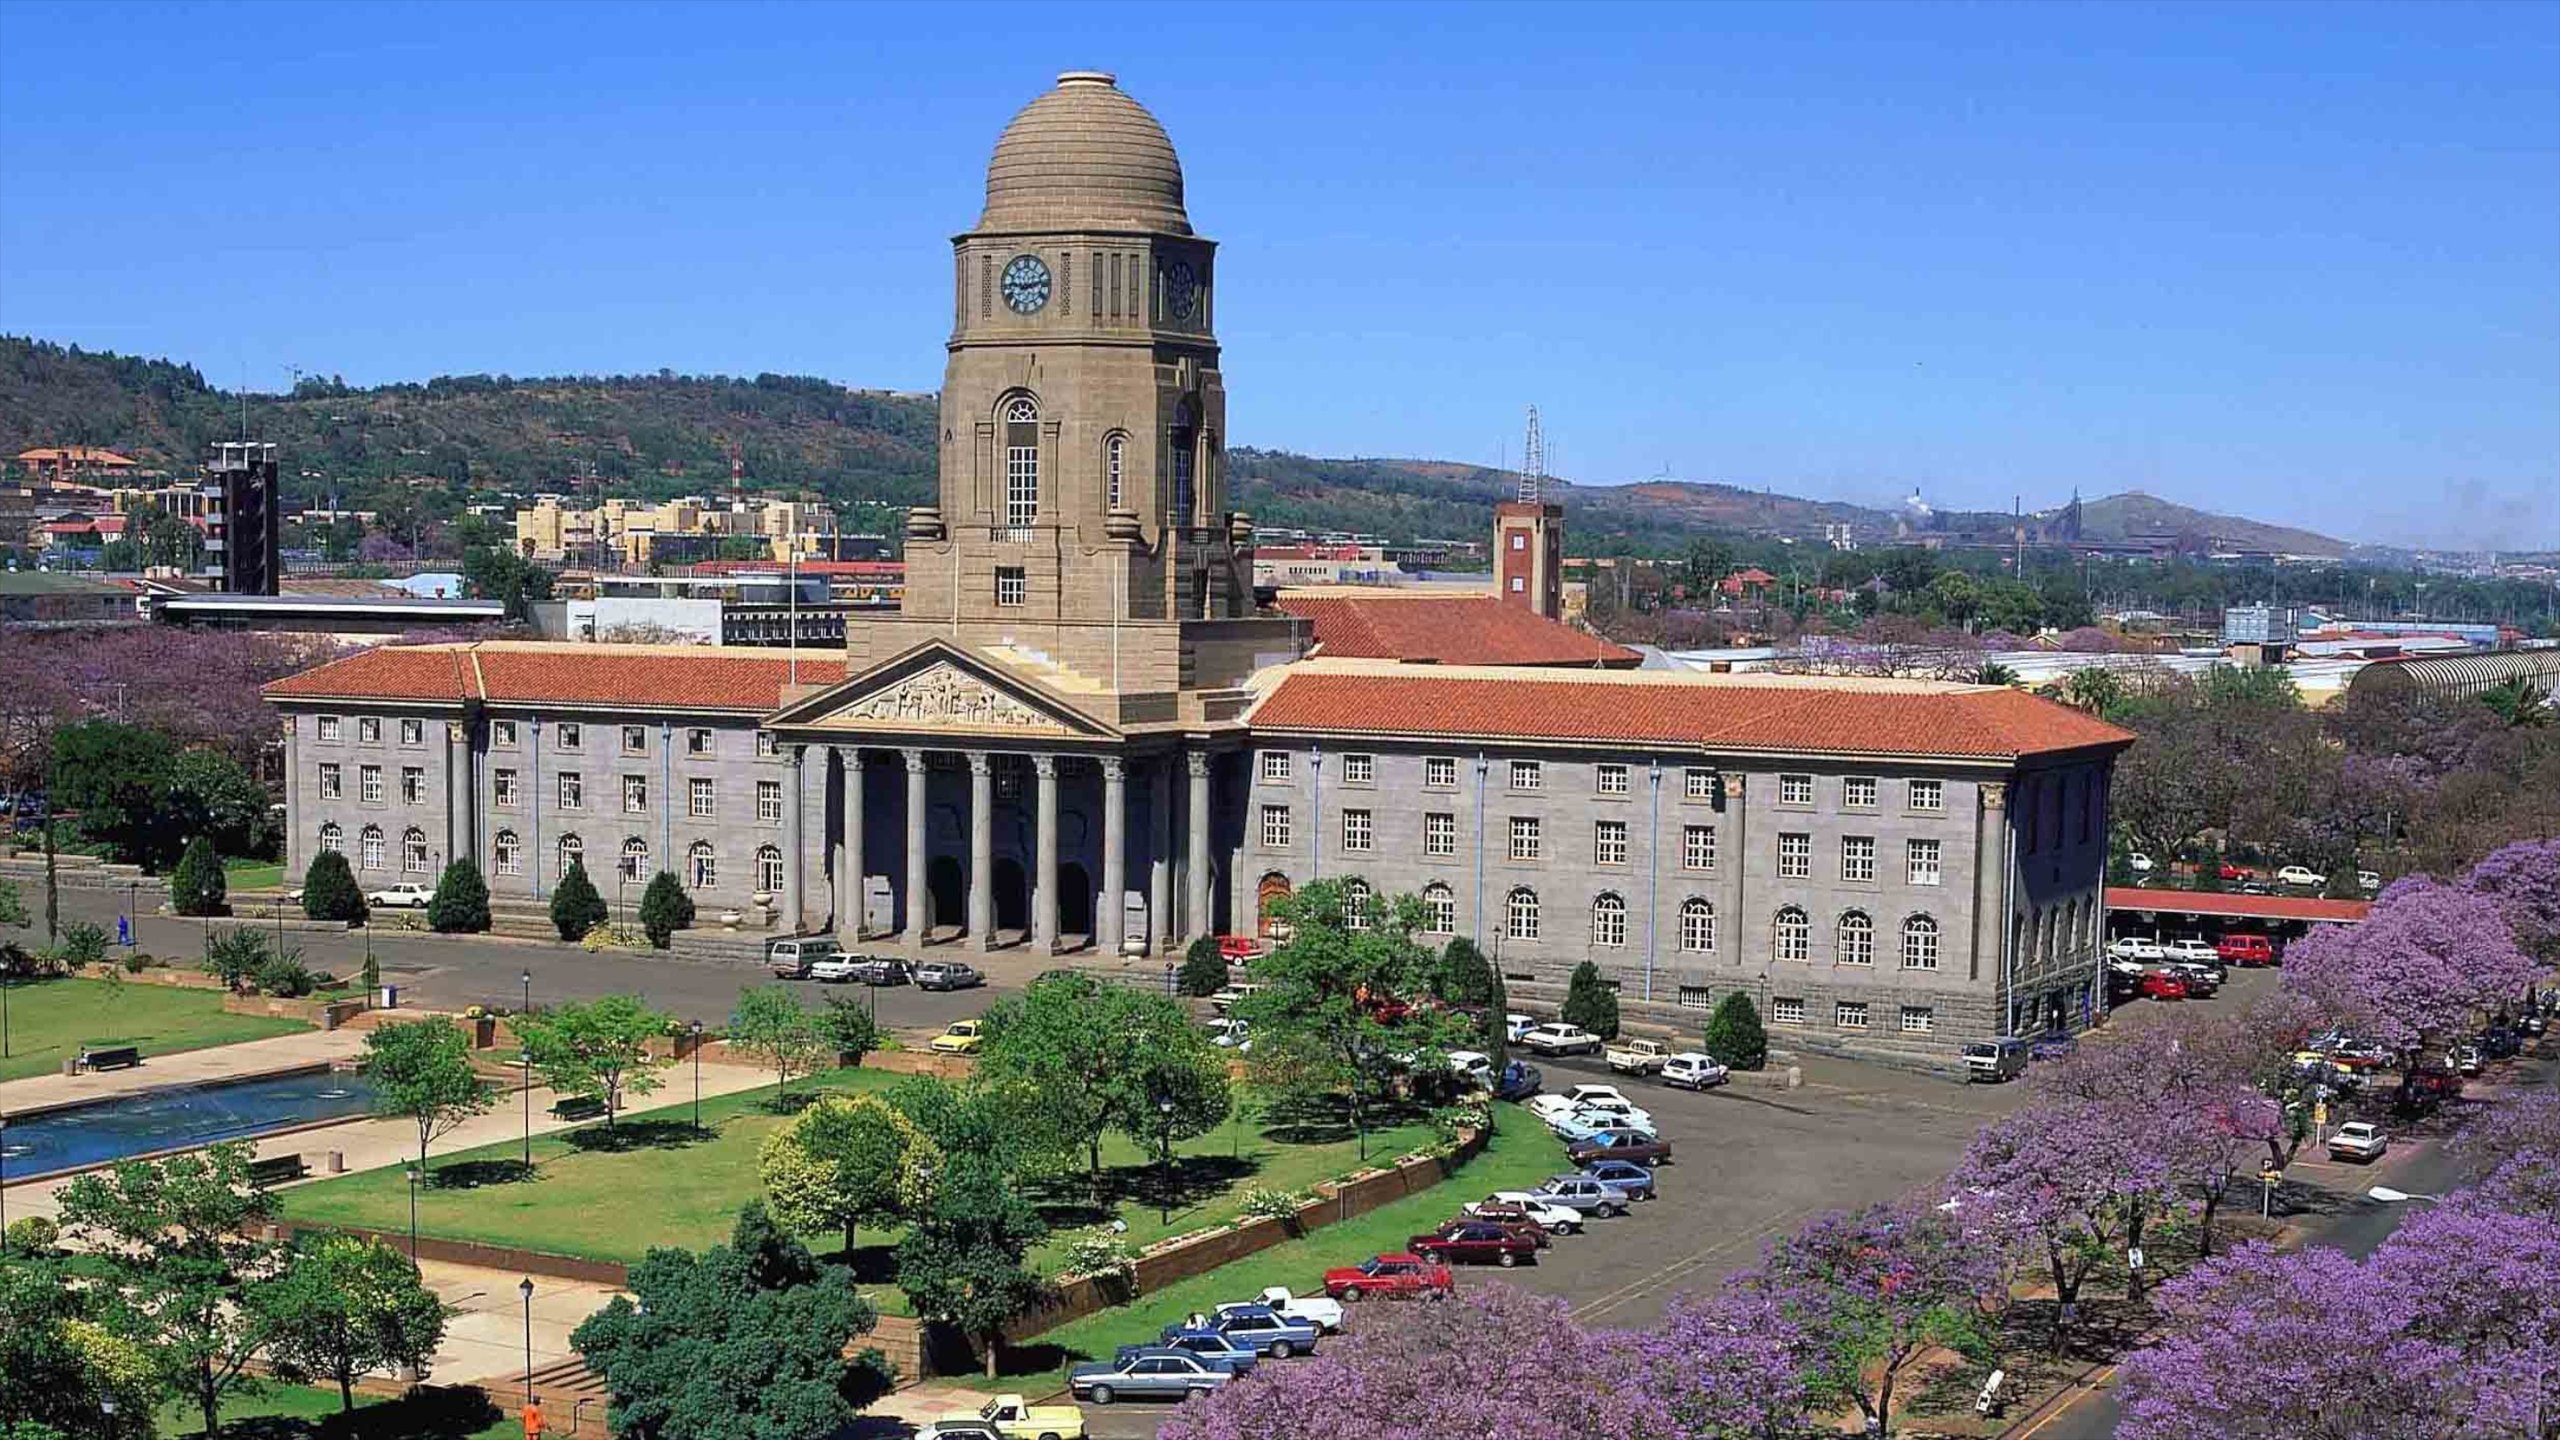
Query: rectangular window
{"type": "Point", "coordinates": [766, 746]}
{"type": "Point", "coordinates": [1013, 585]}
{"type": "Point", "coordinates": [1795, 789]}
{"type": "Point", "coordinates": [1359, 769]}
{"type": "Point", "coordinates": [1439, 834]}
{"type": "Point", "coordinates": [768, 802]}
{"type": "Point", "coordinates": [1857, 857]}
{"type": "Point", "coordinates": [1921, 862]}
{"type": "Point", "coordinates": [573, 790]}
{"type": "Point", "coordinates": [502, 734]}
{"type": "Point", "coordinates": [635, 794]}
{"type": "Point", "coordinates": [1928, 794]}
{"type": "Point", "coordinates": [1356, 831]}
{"type": "Point", "coordinates": [1858, 792]}
{"type": "Point", "coordinates": [697, 741]}
{"type": "Point", "coordinates": [1524, 837]}
{"type": "Point", "coordinates": [1697, 784]}
{"type": "Point", "coordinates": [1795, 857]}
{"type": "Point", "coordinates": [635, 739]}
{"type": "Point", "coordinates": [1275, 827]}
{"type": "Point", "coordinates": [333, 780]}
{"type": "Point", "coordinates": [502, 789]}
{"type": "Point", "coordinates": [372, 849]}
{"type": "Point", "coordinates": [1697, 847]}
{"type": "Point", "coordinates": [1611, 779]}
{"type": "Point", "coordinates": [1694, 997]}
{"type": "Point", "coordinates": [1786, 1010]}
{"type": "Point", "coordinates": [413, 732]}
{"type": "Point", "coordinates": [1849, 1014]}
{"type": "Point", "coordinates": [369, 730]}
{"type": "Point", "coordinates": [1440, 772]}
{"type": "Point", "coordinates": [369, 784]}
{"type": "Point", "coordinates": [1609, 842]}
{"type": "Point", "coordinates": [1527, 775]}
{"type": "Point", "coordinates": [1275, 765]}
{"type": "Point", "coordinates": [1021, 477]}
{"type": "Point", "coordinates": [1918, 1019]}
{"type": "Point", "coordinates": [413, 785]}
{"type": "Point", "coordinates": [700, 798]}
{"type": "Point", "coordinates": [568, 735]}
{"type": "Point", "coordinates": [330, 728]}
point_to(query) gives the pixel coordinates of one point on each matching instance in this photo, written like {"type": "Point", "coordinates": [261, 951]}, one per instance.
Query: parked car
{"type": "Point", "coordinates": [1637, 1057]}
{"type": "Point", "coordinates": [1228, 1033]}
{"type": "Point", "coordinates": [2302, 877]}
{"type": "Point", "coordinates": [1474, 1241]}
{"type": "Point", "coordinates": [2359, 1140]}
{"type": "Point", "coordinates": [1389, 1276]}
{"type": "Point", "coordinates": [1582, 1124]}
{"type": "Point", "coordinates": [2230, 871]}
{"type": "Point", "coordinates": [2245, 950]}
{"type": "Point", "coordinates": [2368, 881]}
{"type": "Point", "coordinates": [1263, 1329]}
{"type": "Point", "coordinates": [2464, 1059]}
{"type": "Point", "coordinates": [881, 970]}
{"type": "Point", "coordinates": [2136, 948]}
{"type": "Point", "coordinates": [1240, 949]}
{"type": "Point", "coordinates": [835, 968]}
{"type": "Point", "coordinates": [1475, 1065]}
{"type": "Point", "coordinates": [1015, 1418]}
{"type": "Point", "coordinates": [1621, 1144]}
{"type": "Point", "coordinates": [2254, 887]}
{"type": "Point", "coordinates": [1519, 1081]}
{"type": "Point", "coordinates": [2499, 1042]}
{"type": "Point", "coordinates": [2189, 948]}
{"type": "Point", "coordinates": [1597, 1094]}
{"type": "Point", "coordinates": [2052, 1045]}
{"type": "Point", "coordinates": [790, 959]}
{"type": "Point", "coordinates": [2160, 985]}
{"type": "Point", "coordinates": [947, 975]}
{"type": "Point", "coordinates": [2139, 863]}
{"type": "Point", "coordinates": [960, 1037]}
{"type": "Point", "coordinates": [1322, 1311]}
{"type": "Point", "coordinates": [1596, 1100]}
{"type": "Point", "coordinates": [1555, 1037]}
{"type": "Point", "coordinates": [1992, 1061]}
{"type": "Point", "coordinates": [966, 1428]}
{"type": "Point", "coordinates": [407, 895]}
{"type": "Point", "coordinates": [1626, 1175]}
{"type": "Point", "coordinates": [1210, 1345]}
{"type": "Point", "coordinates": [2201, 980]}
{"type": "Point", "coordinates": [1515, 1026]}
{"type": "Point", "coordinates": [1539, 1209]}
{"type": "Point", "coordinates": [1693, 1070]}
{"type": "Point", "coordinates": [1227, 996]}
{"type": "Point", "coordinates": [2532, 1023]}
{"type": "Point", "coordinates": [1580, 1192]}
{"type": "Point", "coordinates": [1155, 1371]}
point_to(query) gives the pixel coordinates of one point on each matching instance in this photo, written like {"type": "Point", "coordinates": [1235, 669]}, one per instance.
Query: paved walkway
{"type": "Point", "coordinates": [187, 1067]}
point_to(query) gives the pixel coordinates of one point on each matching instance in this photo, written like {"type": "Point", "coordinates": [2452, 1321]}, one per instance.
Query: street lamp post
{"type": "Point", "coordinates": [528, 994]}
{"type": "Point", "coordinates": [1164, 1196]}
{"type": "Point", "coordinates": [413, 1212]}
{"type": "Point", "coordinates": [524, 1056]}
{"type": "Point", "coordinates": [697, 1077]}
{"type": "Point", "coordinates": [526, 1290]}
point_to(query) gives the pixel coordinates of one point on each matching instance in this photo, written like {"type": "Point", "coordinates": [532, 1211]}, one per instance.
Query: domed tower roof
{"type": "Point", "coordinates": [1084, 156]}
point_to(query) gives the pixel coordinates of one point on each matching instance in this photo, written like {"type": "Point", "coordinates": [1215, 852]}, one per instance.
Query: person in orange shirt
{"type": "Point", "coordinates": [532, 1421]}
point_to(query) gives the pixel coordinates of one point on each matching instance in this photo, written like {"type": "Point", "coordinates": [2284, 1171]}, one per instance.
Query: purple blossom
{"type": "Point", "coordinates": [2524, 880]}
{"type": "Point", "coordinates": [2069, 1182]}
{"type": "Point", "coordinates": [2426, 958]}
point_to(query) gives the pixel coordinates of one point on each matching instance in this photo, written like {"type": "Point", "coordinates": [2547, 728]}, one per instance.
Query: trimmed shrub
{"type": "Point", "coordinates": [283, 976]}
{"type": "Point", "coordinates": [576, 908]}
{"type": "Point", "coordinates": [461, 902]}
{"type": "Point", "coordinates": [1590, 1003]}
{"type": "Point", "coordinates": [1204, 970]}
{"type": "Point", "coordinates": [849, 1028]}
{"type": "Point", "coordinates": [33, 1236]}
{"type": "Point", "coordinates": [1735, 1036]}
{"type": "Point", "coordinates": [83, 943]}
{"type": "Point", "coordinates": [664, 909]}
{"type": "Point", "coordinates": [236, 955]}
{"type": "Point", "coordinates": [330, 892]}
{"type": "Point", "coordinates": [198, 886]}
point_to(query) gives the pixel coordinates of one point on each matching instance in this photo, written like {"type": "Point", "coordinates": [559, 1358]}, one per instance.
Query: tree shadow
{"type": "Point", "coordinates": [634, 1135]}
{"type": "Point", "coordinates": [1067, 1201]}
{"type": "Point", "coordinates": [790, 1104]}
{"type": "Point", "coordinates": [473, 1174]}
{"type": "Point", "coordinates": [427, 1412]}
{"type": "Point", "coordinates": [869, 1264]}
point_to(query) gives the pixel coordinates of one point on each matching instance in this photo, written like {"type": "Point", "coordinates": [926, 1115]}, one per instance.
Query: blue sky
{"type": "Point", "coordinates": [2300, 261]}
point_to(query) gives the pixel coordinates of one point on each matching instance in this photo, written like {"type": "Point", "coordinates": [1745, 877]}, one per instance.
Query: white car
{"type": "Point", "coordinates": [407, 895]}
{"type": "Point", "coordinates": [1693, 1070]}
{"type": "Point", "coordinates": [2138, 863]}
{"type": "Point", "coordinates": [2135, 948]}
{"type": "Point", "coordinates": [1228, 1033]}
{"type": "Point", "coordinates": [1558, 1038]}
{"type": "Point", "coordinates": [2192, 951]}
{"type": "Point", "coordinates": [1226, 999]}
{"type": "Point", "coordinates": [2359, 1140]}
{"type": "Point", "coordinates": [2368, 881]}
{"type": "Point", "coordinates": [1322, 1311]}
{"type": "Point", "coordinates": [1515, 1026]}
{"type": "Point", "coordinates": [1553, 1218]}
{"type": "Point", "coordinates": [836, 969]}
{"type": "Point", "coordinates": [2301, 875]}
{"type": "Point", "coordinates": [1556, 1111]}
{"type": "Point", "coordinates": [1476, 1065]}
{"type": "Point", "coordinates": [1597, 1094]}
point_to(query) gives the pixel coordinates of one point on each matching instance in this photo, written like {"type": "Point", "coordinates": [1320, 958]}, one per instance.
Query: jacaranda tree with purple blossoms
{"type": "Point", "coordinates": [2524, 880]}
{"type": "Point", "coordinates": [2064, 1184]}
{"type": "Point", "coordinates": [2427, 957]}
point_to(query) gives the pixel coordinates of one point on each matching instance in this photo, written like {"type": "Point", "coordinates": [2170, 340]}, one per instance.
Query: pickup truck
{"type": "Point", "coordinates": [1017, 1419]}
{"type": "Point", "coordinates": [1637, 1057]}
{"type": "Point", "coordinates": [1322, 1311]}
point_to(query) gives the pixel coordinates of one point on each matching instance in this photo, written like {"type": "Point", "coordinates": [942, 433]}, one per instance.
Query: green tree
{"type": "Point", "coordinates": [845, 1162]}
{"type": "Point", "coordinates": [1468, 979]}
{"type": "Point", "coordinates": [330, 892]}
{"type": "Point", "coordinates": [57, 1362]}
{"type": "Point", "coordinates": [1204, 969]}
{"type": "Point", "coordinates": [664, 909]}
{"type": "Point", "coordinates": [421, 1071]}
{"type": "Point", "coordinates": [770, 1022]}
{"type": "Point", "coordinates": [1590, 1003]}
{"type": "Point", "coordinates": [848, 1030]}
{"type": "Point", "coordinates": [346, 1306]}
{"type": "Point", "coordinates": [746, 1341]}
{"type": "Point", "coordinates": [1734, 1034]}
{"type": "Point", "coordinates": [576, 908]}
{"type": "Point", "coordinates": [964, 1261]}
{"type": "Point", "coordinates": [198, 886]}
{"type": "Point", "coordinates": [116, 777]}
{"type": "Point", "coordinates": [1992, 672]}
{"type": "Point", "coordinates": [212, 796]}
{"type": "Point", "coordinates": [13, 906]}
{"type": "Point", "coordinates": [460, 905]}
{"type": "Point", "coordinates": [497, 573]}
{"type": "Point", "coordinates": [1082, 1058]}
{"type": "Point", "coordinates": [597, 1048]}
{"type": "Point", "coordinates": [2209, 867]}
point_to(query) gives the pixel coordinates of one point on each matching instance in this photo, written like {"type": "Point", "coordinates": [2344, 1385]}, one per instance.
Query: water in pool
{"type": "Point", "coordinates": [177, 1118]}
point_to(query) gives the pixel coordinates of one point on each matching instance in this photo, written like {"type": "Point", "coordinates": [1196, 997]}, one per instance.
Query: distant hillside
{"type": "Point", "coordinates": [667, 434]}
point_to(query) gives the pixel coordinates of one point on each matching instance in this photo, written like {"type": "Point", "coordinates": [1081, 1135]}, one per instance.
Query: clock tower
{"type": "Point", "coordinates": [1082, 508]}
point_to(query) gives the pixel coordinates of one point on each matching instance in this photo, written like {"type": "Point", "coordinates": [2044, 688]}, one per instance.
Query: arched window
{"type": "Point", "coordinates": [1439, 910]}
{"type": "Point", "coordinates": [371, 843]}
{"type": "Point", "coordinates": [1357, 900]}
{"type": "Point", "coordinates": [1021, 462]}
{"type": "Point", "coordinates": [1520, 914]}
{"type": "Point", "coordinates": [573, 851]}
{"type": "Point", "coordinates": [1697, 926]}
{"type": "Point", "coordinates": [1115, 455]}
{"type": "Point", "coordinates": [1857, 939]}
{"type": "Point", "coordinates": [1609, 921]}
{"type": "Point", "coordinates": [1919, 943]}
{"type": "Point", "coordinates": [769, 869]}
{"type": "Point", "coordinates": [413, 851]}
{"type": "Point", "coordinates": [333, 837]}
{"type": "Point", "coordinates": [1178, 447]}
{"type": "Point", "coordinates": [635, 859]}
{"type": "Point", "coordinates": [702, 865]}
{"type": "Point", "coordinates": [1794, 934]}
{"type": "Point", "coordinates": [506, 853]}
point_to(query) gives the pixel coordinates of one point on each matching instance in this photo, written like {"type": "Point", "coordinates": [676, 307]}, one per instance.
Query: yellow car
{"type": "Point", "coordinates": [960, 1039]}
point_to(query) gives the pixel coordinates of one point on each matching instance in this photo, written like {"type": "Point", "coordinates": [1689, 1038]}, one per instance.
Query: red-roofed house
{"type": "Point", "coordinates": [1365, 624]}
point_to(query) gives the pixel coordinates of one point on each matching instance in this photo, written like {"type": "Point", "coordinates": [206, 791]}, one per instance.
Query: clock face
{"type": "Point", "coordinates": [1026, 284]}
{"type": "Point", "coordinates": [1182, 288]}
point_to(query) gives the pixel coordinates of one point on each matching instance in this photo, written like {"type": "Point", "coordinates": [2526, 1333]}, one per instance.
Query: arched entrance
{"type": "Point", "coordinates": [946, 889]}
{"type": "Point", "coordinates": [1273, 889]}
{"type": "Point", "coordinates": [1075, 900]}
{"type": "Point", "coordinates": [1013, 896]}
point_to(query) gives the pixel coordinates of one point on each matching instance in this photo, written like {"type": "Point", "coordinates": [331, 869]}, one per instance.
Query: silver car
{"type": "Point", "coordinates": [1152, 1370]}
{"type": "Point", "coordinates": [1581, 1192]}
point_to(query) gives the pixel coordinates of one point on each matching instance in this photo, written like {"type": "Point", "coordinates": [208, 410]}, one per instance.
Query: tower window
{"type": "Point", "coordinates": [1021, 462]}
{"type": "Point", "coordinates": [1114, 453]}
{"type": "Point", "coordinates": [1013, 586]}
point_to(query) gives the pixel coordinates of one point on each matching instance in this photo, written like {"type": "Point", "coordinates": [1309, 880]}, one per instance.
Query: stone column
{"type": "Point", "coordinates": [795, 831]}
{"type": "Point", "coordinates": [1044, 883]}
{"type": "Point", "coordinates": [1115, 841]}
{"type": "Point", "coordinates": [1159, 851]}
{"type": "Point", "coordinates": [457, 793]}
{"type": "Point", "coordinates": [1991, 888]}
{"type": "Point", "coordinates": [849, 869]}
{"type": "Point", "coordinates": [918, 907]}
{"type": "Point", "coordinates": [982, 850]}
{"type": "Point", "coordinates": [1196, 919]}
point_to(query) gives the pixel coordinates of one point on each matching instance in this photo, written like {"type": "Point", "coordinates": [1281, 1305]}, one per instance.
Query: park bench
{"type": "Point", "coordinates": [110, 1057]}
{"type": "Point", "coordinates": [578, 1107]}
{"type": "Point", "coordinates": [276, 1169]}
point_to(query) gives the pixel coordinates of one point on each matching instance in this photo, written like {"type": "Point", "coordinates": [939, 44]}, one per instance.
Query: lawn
{"type": "Point", "coordinates": [1520, 1154]}
{"type": "Point", "coordinates": [252, 874]}
{"type": "Point", "coordinates": [49, 1020]}
{"type": "Point", "coordinates": [306, 1412]}
{"type": "Point", "coordinates": [661, 1184]}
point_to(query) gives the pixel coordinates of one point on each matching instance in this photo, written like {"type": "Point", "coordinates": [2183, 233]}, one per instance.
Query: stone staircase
{"type": "Point", "coordinates": [572, 1397]}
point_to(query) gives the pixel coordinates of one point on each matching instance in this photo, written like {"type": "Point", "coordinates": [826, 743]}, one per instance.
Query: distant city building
{"type": "Point", "coordinates": [243, 519]}
{"type": "Point", "coordinates": [59, 463]}
{"type": "Point", "coordinates": [634, 533]}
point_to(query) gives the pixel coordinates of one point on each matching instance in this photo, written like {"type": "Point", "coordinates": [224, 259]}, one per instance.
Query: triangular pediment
{"type": "Point", "coordinates": [938, 688]}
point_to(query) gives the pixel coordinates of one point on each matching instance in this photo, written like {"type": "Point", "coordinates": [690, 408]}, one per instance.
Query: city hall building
{"type": "Point", "coordinates": [1082, 733]}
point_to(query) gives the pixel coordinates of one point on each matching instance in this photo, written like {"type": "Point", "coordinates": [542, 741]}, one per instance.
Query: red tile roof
{"type": "Point", "coordinates": [1970, 722]}
{"type": "Point", "coordinates": [2239, 907]}
{"type": "Point", "coordinates": [1445, 630]}
{"type": "Point", "coordinates": [518, 673]}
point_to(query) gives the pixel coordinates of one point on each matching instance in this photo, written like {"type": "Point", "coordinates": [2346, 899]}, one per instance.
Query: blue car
{"type": "Point", "coordinates": [1211, 1346]}
{"type": "Point", "coordinates": [1625, 1175]}
{"type": "Point", "coordinates": [1582, 1125]}
{"type": "Point", "coordinates": [1264, 1330]}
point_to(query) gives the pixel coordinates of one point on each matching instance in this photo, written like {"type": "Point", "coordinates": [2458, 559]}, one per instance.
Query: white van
{"type": "Point", "coordinates": [791, 958]}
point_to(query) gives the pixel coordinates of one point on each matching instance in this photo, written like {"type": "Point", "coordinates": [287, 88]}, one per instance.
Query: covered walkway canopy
{"type": "Point", "coordinates": [2195, 906]}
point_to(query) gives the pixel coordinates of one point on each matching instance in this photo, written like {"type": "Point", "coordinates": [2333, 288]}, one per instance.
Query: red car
{"type": "Point", "coordinates": [1236, 949]}
{"type": "Point", "coordinates": [2159, 985]}
{"type": "Point", "coordinates": [1474, 1241]}
{"type": "Point", "coordinates": [1394, 1276]}
{"type": "Point", "coordinates": [2245, 950]}
{"type": "Point", "coordinates": [2230, 871]}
